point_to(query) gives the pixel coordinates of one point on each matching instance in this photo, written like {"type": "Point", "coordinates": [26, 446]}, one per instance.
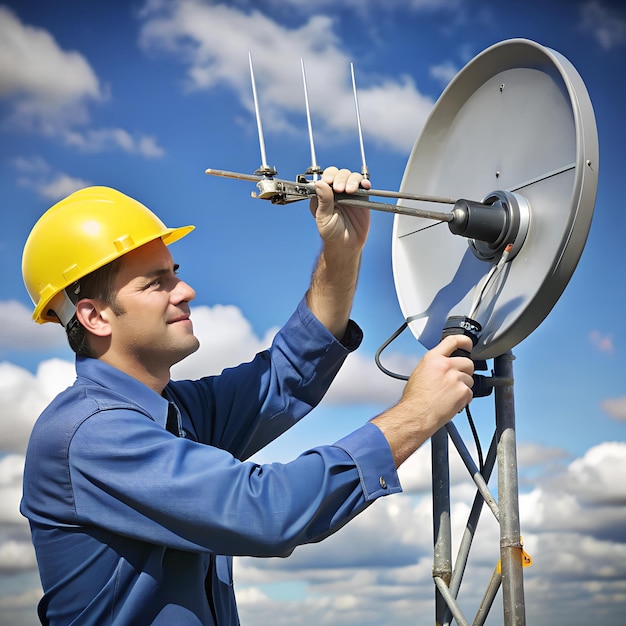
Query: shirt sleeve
{"type": "Point", "coordinates": [133, 478]}
{"type": "Point", "coordinates": [373, 459]}
{"type": "Point", "coordinates": [246, 407]}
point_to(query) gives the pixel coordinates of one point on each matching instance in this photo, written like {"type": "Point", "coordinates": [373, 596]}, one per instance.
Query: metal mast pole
{"type": "Point", "coordinates": [510, 539]}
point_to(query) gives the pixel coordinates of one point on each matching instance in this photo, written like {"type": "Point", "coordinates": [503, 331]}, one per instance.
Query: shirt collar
{"type": "Point", "coordinates": [109, 377]}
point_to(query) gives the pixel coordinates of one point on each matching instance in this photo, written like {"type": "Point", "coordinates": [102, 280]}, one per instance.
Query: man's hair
{"type": "Point", "coordinates": [99, 286]}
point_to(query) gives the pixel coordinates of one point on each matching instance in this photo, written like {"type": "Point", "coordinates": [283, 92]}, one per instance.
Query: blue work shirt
{"type": "Point", "coordinates": [135, 525]}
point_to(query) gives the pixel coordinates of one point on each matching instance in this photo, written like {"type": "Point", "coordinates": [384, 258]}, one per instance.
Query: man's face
{"type": "Point", "coordinates": [150, 320]}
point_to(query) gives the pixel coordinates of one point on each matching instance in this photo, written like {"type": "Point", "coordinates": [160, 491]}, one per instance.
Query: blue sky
{"type": "Point", "coordinates": [144, 96]}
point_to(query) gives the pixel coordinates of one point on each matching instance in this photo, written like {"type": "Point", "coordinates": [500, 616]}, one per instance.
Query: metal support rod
{"type": "Point", "coordinates": [442, 560]}
{"type": "Point", "coordinates": [477, 477]}
{"type": "Point", "coordinates": [470, 530]}
{"type": "Point", "coordinates": [450, 600]}
{"type": "Point", "coordinates": [508, 500]}
{"type": "Point", "coordinates": [490, 595]}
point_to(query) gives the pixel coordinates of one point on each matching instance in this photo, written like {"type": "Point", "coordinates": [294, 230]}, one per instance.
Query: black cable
{"type": "Point", "coordinates": [393, 337]}
{"type": "Point", "coordinates": [481, 462]}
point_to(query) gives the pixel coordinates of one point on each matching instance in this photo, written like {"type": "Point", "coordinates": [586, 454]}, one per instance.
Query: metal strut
{"type": "Point", "coordinates": [507, 574]}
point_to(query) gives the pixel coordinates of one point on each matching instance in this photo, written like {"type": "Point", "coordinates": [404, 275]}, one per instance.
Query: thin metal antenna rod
{"type": "Point", "coordinates": [364, 169]}
{"type": "Point", "coordinates": [264, 169]}
{"type": "Point", "coordinates": [305, 190]}
{"type": "Point", "coordinates": [315, 168]}
{"type": "Point", "coordinates": [438, 216]}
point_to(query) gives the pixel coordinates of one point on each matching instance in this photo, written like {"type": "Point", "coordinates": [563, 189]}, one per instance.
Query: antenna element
{"type": "Point", "coordinates": [265, 169]}
{"type": "Point", "coordinates": [314, 168]}
{"type": "Point", "coordinates": [364, 169]}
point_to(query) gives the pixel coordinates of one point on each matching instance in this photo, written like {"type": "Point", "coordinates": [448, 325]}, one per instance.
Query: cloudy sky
{"type": "Point", "coordinates": [144, 96]}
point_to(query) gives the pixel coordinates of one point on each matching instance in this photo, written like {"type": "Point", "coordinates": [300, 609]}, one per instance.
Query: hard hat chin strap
{"type": "Point", "coordinates": [63, 308]}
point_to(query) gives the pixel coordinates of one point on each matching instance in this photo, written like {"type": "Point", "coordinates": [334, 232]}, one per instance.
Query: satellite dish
{"type": "Point", "coordinates": [515, 129]}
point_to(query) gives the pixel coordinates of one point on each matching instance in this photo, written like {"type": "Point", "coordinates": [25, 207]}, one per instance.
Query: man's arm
{"type": "Point", "coordinates": [439, 387]}
{"type": "Point", "coordinates": [344, 232]}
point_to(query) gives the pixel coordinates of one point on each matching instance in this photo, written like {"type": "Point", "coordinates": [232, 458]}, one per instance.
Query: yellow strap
{"type": "Point", "coordinates": [527, 560]}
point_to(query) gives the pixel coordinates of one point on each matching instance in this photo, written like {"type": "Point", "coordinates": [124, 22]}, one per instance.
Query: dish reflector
{"type": "Point", "coordinates": [517, 119]}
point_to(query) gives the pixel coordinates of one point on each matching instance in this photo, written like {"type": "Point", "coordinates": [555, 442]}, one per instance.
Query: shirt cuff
{"type": "Point", "coordinates": [351, 339]}
{"type": "Point", "coordinates": [372, 456]}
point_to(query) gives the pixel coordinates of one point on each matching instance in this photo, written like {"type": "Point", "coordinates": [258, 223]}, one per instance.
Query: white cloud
{"type": "Point", "coordinates": [602, 342]}
{"type": "Point", "coordinates": [534, 454]}
{"type": "Point", "coordinates": [148, 146]}
{"type": "Point", "coordinates": [11, 469]}
{"type": "Point", "coordinates": [17, 555]}
{"type": "Point", "coordinates": [50, 89]}
{"type": "Point", "coordinates": [606, 24]}
{"type": "Point", "coordinates": [360, 382]}
{"type": "Point", "coordinates": [34, 165]}
{"type": "Point", "coordinates": [586, 498]}
{"type": "Point", "coordinates": [23, 396]}
{"type": "Point", "coordinates": [405, 112]}
{"type": "Point", "coordinates": [430, 5]}
{"type": "Point", "coordinates": [44, 81]}
{"type": "Point", "coordinates": [104, 139]}
{"type": "Point", "coordinates": [16, 549]}
{"type": "Point", "coordinates": [415, 473]}
{"type": "Point", "coordinates": [26, 599]}
{"type": "Point", "coordinates": [365, 8]}
{"type": "Point", "coordinates": [18, 331]}
{"type": "Point", "coordinates": [574, 579]}
{"type": "Point", "coordinates": [593, 477]}
{"type": "Point", "coordinates": [60, 186]}
{"type": "Point", "coordinates": [213, 42]}
{"type": "Point", "coordinates": [615, 407]}
{"type": "Point", "coordinates": [35, 173]}
{"type": "Point", "coordinates": [226, 339]}
{"type": "Point", "coordinates": [444, 72]}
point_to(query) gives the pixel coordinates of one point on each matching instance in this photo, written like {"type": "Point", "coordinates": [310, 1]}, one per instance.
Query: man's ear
{"type": "Point", "coordinates": [93, 316]}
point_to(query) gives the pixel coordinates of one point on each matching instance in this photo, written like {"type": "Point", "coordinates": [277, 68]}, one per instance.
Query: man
{"type": "Point", "coordinates": [136, 487]}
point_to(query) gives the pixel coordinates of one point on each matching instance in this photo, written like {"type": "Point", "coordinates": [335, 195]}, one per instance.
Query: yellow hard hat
{"type": "Point", "coordinates": [79, 234]}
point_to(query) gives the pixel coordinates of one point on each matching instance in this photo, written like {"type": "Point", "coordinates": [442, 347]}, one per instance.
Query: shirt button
{"type": "Point", "coordinates": [383, 482]}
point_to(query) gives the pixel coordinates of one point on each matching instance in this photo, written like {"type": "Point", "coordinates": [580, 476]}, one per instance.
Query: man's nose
{"type": "Point", "coordinates": [184, 292]}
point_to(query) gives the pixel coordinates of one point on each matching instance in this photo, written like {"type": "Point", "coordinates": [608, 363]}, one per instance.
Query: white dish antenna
{"type": "Point", "coordinates": [515, 129]}
{"type": "Point", "coordinates": [512, 144]}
